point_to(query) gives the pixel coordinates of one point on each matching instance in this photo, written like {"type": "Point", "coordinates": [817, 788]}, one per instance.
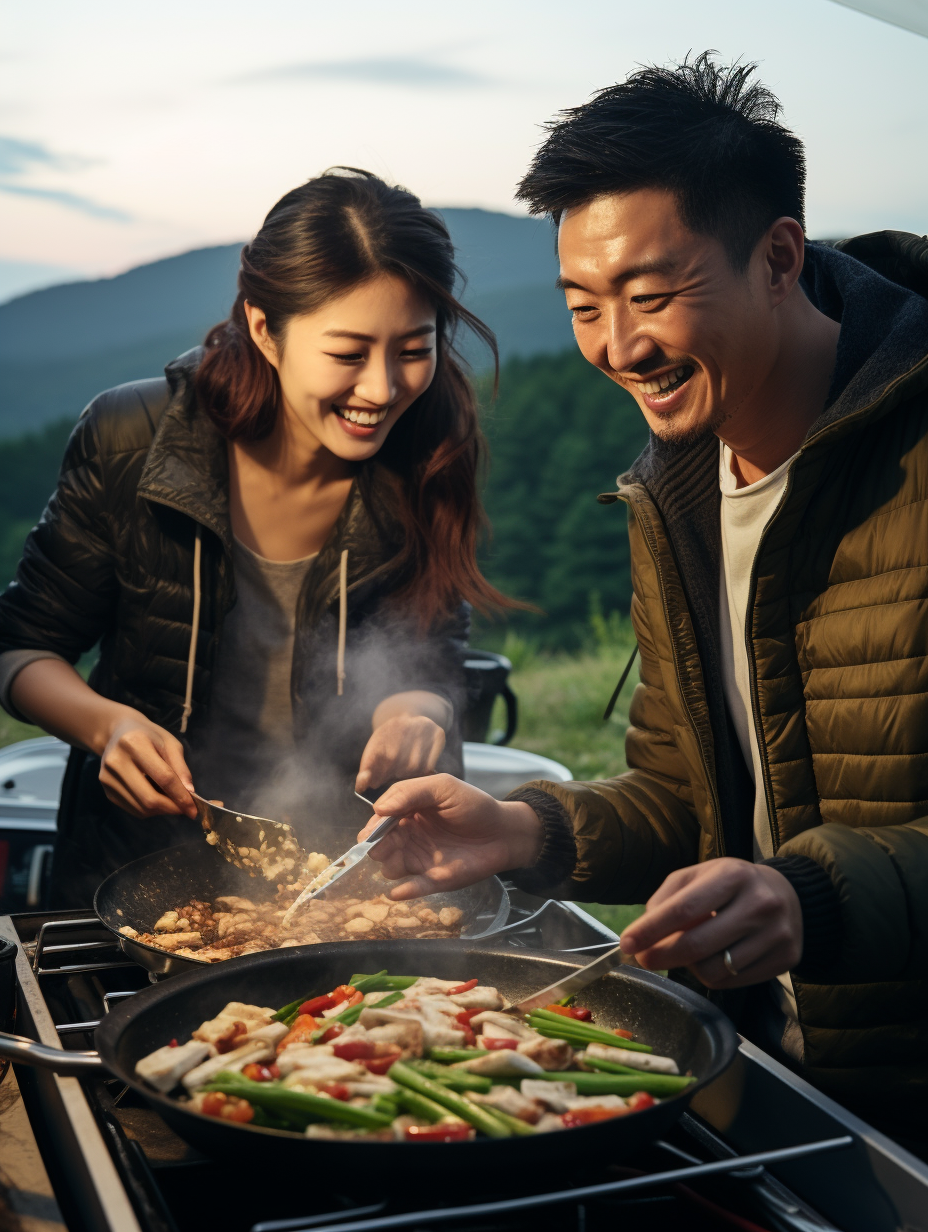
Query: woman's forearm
{"type": "Point", "coordinates": [51, 694]}
{"type": "Point", "coordinates": [415, 703]}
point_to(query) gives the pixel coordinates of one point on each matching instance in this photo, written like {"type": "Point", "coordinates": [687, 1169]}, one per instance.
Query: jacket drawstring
{"type": "Point", "coordinates": [194, 630]}
{"type": "Point", "coordinates": [342, 620]}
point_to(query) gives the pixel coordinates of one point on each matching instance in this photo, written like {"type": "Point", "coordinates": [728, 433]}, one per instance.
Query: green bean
{"type": "Point", "coordinates": [515, 1125]}
{"type": "Point", "coordinates": [472, 1113]}
{"type": "Point", "coordinates": [456, 1079]}
{"type": "Point", "coordinates": [669, 1083]}
{"type": "Point", "coordinates": [423, 1107]}
{"type": "Point", "coordinates": [385, 983]}
{"type": "Point", "coordinates": [448, 1056]}
{"type": "Point", "coordinates": [385, 1104]}
{"type": "Point", "coordinates": [659, 1085]}
{"type": "Point", "coordinates": [286, 1010]}
{"type": "Point", "coordinates": [284, 1101]}
{"type": "Point", "coordinates": [583, 1030]}
{"type": "Point", "coordinates": [360, 983]}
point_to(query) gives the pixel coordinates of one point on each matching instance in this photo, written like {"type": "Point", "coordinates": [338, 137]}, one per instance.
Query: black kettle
{"type": "Point", "coordinates": [487, 677]}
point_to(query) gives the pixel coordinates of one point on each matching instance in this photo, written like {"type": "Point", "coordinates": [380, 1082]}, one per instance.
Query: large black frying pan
{"type": "Point", "coordinates": [675, 1021]}
{"type": "Point", "coordinates": [139, 893]}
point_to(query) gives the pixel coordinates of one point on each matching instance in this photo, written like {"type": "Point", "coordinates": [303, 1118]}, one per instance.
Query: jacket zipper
{"type": "Point", "coordinates": [647, 531]}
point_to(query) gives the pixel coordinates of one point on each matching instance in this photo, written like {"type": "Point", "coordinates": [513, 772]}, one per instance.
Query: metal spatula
{"type": "Point", "coordinates": [261, 847]}
{"type": "Point", "coordinates": [577, 980]}
{"type": "Point", "coordinates": [338, 868]}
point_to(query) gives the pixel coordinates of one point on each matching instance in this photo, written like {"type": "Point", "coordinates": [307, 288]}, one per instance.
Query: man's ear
{"type": "Point", "coordinates": [260, 336]}
{"type": "Point", "coordinates": [784, 252]}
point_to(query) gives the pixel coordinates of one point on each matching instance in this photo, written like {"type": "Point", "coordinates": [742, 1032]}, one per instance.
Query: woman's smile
{"type": "Point", "coordinates": [360, 422]}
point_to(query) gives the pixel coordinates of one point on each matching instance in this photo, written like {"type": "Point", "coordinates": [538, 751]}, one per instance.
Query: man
{"type": "Point", "coordinates": [773, 815]}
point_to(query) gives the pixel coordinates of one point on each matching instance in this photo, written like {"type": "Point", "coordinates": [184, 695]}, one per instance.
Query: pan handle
{"type": "Point", "coordinates": [23, 1051]}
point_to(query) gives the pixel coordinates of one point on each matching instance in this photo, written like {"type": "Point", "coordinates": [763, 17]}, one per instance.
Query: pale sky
{"type": "Point", "coordinates": [130, 132]}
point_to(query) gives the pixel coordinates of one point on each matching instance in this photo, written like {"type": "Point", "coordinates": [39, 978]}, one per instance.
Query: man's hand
{"type": "Point", "coordinates": [747, 909]}
{"type": "Point", "coordinates": [451, 835]}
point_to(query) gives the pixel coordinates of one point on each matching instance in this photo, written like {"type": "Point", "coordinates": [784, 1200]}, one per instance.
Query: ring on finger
{"type": "Point", "coordinates": [729, 965]}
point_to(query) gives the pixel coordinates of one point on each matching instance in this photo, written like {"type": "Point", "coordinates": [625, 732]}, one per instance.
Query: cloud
{"type": "Point", "coordinates": [18, 158]}
{"type": "Point", "coordinates": [412, 73]}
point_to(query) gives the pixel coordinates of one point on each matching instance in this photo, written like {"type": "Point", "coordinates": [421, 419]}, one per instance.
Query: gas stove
{"type": "Point", "coordinates": [760, 1150]}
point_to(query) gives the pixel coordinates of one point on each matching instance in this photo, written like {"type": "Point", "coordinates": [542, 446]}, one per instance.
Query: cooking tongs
{"type": "Point", "coordinates": [341, 866]}
{"type": "Point", "coordinates": [259, 846]}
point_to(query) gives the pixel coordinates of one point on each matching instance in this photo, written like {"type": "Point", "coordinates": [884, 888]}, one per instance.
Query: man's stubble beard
{"type": "Point", "coordinates": [672, 434]}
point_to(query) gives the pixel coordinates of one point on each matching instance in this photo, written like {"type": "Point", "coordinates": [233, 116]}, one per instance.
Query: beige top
{"type": "Point", "coordinates": [250, 727]}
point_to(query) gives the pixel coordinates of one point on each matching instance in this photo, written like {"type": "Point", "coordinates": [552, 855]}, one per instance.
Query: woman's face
{"type": "Point", "coordinates": [349, 370]}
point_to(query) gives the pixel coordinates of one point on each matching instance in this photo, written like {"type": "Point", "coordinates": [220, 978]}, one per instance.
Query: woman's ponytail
{"type": "Point", "coordinates": [236, 385]}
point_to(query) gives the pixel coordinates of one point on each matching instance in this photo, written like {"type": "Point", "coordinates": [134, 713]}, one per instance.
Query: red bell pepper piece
{"type": "Point", "coordinates": [453, 992]}
{"type": "Point", "coordinates": [173, 1044]}
{"type": "Point", "coordinates": [300, 1032]}
{"type": "Point", "coordinates": [380, 1065]}
{"type": "Point", "coordinates": [342, 993]}
{"type": "Point", "coordinates": [588, 1116]}
{"type": "Point", "coordinates": [356, 998]}
{"type": "Point", "coordinates": [640, 1100]}
{"type": "Point", "coordinates": [261, 1073]}
{"type": "Point", "coordinates": [623, 1034]}
{"type": "Point", "coordinates": [316, 1005]}
{"type": "Point", "coordinates": [444, 1131]}
{"type": "Point", "coordinates": [355, 1050]}
{"type": "Point", "coordinates": [337, 1090]}
{"type": "Point", "coordinates": [580, 1013]}
{"type": "Point", "coordinates": [333, 1033]}
{"type": "Point", "coordinates": [497, 1045]}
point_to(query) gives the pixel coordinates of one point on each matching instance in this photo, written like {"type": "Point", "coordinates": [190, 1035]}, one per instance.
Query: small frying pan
{"type": "Point", "coordinates": [674, 1021]}
{"type": "Point", "coordinates": [140, 892]}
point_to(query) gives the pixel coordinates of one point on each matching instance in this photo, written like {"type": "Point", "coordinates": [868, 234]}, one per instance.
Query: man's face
{"type": "Point", "coordinates": [660, 310]}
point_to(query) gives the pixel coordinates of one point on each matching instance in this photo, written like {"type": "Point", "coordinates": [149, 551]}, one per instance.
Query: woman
{"type": "Point", "coordinates": [274, 546]}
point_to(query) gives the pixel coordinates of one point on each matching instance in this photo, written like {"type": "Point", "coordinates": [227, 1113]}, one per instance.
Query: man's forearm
{"type": "Point", "coordinates": [51, 694]}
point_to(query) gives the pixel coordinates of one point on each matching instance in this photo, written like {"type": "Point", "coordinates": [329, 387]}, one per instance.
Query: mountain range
{"type": "Point", "coordinates": [61, 345]}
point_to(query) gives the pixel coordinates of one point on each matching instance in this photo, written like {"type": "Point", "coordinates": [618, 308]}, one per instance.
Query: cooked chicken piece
{"type": "Point", "coordinates": [551, 1054]}
{"type": "Point", "coordinates": [375, 912]}
{"type": "Point", "coordinates": [449, 916]}
{"type": "Point", "coordinates": [188, 953]}
{"type": "Point", "coordinates": [504, 1063]}
{"type": "Point", "coordinates": [435, 1029]}
{"type": "Point", "coordinates": [231, 902]}
{"type": "Point", "coordinates": [508, 1099]}
{"type": "Point", "coordinates": [479, 998]}
{"type": "Point", "coordinates": [595, 1101]}
{"type": "Point", "coordinates": [436, 1002]}
{"type": "Point", "coordinates": [405, 921]}
{"type": "Point", "coordinates": [358, 925]}
{"type": "Point", "coordinates": [166, 923]}
{"type": "Point", "coordinates": [234, 1061]}
{"type": "Point", "coordinates": [291, 1058]}
{"type": "Point", "coordinates": [315, 1070]}
{"type": "Point", "coordinates": [173, 941]}
{"type": "Point", "coordinates": [210, 955]}
{"type": "Point", "coordinates": [493, 1030]}
{"type": "Point", "coordinates": [353, 911]}
{"type": "Point", "coordinates": [515, 1026]}
{"type": "Point", "coordinates": [273, 1033]}
{"type": "Point", "coordinates": [553, 1095]}
{"type": "Point", "coordinates": [398, 909]}
{"type": "Point", "coordinates": [250, 1016]}
{"type": "Point", "coordinates": [548, 1123]}
{"type": "Point", "coordinates": [635, 1060]}
{"type": "Point", "coordinates": [315, 863]}
{"type": "Point", "coordinates": [427, 915]}
{"type": "Point", "coordinates": [126, 931]}
{"type": "Point", "coordinates": [293, 941]}
{"type": "Point", "coordinates": [408, 1036]}
{"type": "Point", "coordinates": [428, 985]}
{"type": "Point", "coordinates": [164, 1068]}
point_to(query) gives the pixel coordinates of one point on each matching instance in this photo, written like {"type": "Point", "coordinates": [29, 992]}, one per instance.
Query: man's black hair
{"type": "Point", "coordinates": [703, 131]}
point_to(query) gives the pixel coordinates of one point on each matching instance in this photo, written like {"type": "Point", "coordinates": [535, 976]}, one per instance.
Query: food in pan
{"type": "Point", "coordinates": [414, 1059]}
{"type": "Point", "coordinates": [231, 925]}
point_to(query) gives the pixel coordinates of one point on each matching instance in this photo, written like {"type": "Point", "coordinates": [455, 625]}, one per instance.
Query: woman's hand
{"type": "Point", "coordinates": [142, 769]}
{"type": "Point", "coordinates": [408, 739]}
{"type": "Point", "coordinates": [142, 766]}
{"type": "Point", "coordinates": [451, 835]}
{"type": "Point", "coordinates": [749, 910]}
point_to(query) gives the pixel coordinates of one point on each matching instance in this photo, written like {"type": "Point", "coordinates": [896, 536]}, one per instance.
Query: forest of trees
{"type": "Point", "coordinates": [559, 434]}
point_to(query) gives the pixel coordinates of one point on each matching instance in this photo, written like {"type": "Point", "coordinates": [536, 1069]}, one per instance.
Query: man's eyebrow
{"type": "Point", "coordinates": [418, 332]}
{"type": "Point", "coordinates": [666, 265]}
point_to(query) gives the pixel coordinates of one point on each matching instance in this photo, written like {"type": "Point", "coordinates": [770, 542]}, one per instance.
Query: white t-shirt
{"type": "Point", "coordinates": [745, 513]}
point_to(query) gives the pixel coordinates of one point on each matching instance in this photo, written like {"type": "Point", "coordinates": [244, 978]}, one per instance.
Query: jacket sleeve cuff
{"type": "Point", "coordinates": [12, 663]}
{"type": "Point", "coordinates": [558, 857]}
{"type": "Point", "coordinates": [821, 910]}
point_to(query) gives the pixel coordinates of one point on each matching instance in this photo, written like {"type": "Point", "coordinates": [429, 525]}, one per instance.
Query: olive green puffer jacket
{"type": "Point", "coordinates": [839, 647]}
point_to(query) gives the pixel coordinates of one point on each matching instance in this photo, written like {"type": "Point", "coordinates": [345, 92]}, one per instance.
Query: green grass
{"type": "Point", "coordinates": [11, 730]}
{"type": "Point", "coordinates": [561, 703]}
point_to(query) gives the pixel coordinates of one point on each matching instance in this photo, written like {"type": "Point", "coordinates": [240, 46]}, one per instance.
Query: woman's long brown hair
{"type": "Point", "coordinates": [333, 233]}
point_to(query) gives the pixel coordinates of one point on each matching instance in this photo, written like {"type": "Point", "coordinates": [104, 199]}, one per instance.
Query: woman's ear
{"type": "Point", "coordinates": [257, 327]}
